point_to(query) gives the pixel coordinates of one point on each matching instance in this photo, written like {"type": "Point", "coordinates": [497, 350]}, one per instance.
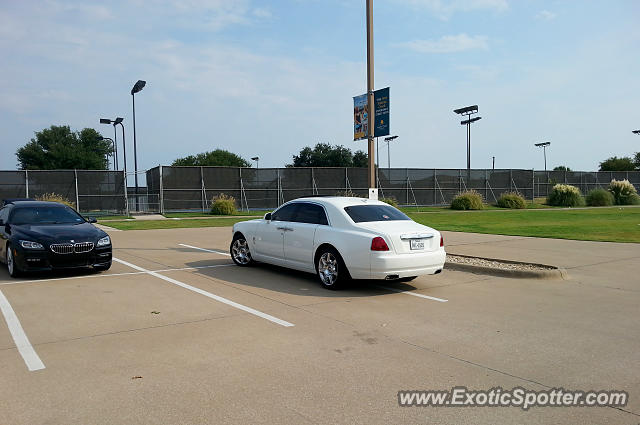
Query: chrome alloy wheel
{"type": "Point", "coordinates": [240, 251]}
{"type": "Point", "coordinates": [10, 262]}
{"type": "Point", "coordinates": [328, 268]}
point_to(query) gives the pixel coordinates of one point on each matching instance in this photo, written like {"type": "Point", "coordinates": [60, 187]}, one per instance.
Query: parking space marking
{"type": "Point", "coordinates": [442, 300]}
{"type": "Point", "coordinates": [20, 338]}
{"type": "Point", "coordinates": [18, 282]}
{"type": "Point", "coordinates": [209, 294]}
{"type": "Point", "coordinates": [207, 250]}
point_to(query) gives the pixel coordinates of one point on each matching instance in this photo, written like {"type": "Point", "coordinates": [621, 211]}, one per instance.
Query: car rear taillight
{"type": "Point", "coordinates": [441, 240]}
{"type": "Point", "coordinates": [378, 244]}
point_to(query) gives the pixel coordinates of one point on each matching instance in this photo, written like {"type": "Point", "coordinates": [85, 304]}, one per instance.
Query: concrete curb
{"type": "Point", "coordinates": [554, 273]}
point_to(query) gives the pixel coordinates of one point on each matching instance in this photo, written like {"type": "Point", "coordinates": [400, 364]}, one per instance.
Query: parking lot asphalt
{"type": "Point", "coordinates": [175, 333]}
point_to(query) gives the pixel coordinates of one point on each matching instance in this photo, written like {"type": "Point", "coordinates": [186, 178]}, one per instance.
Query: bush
{"type": "Point", "coordinates": [564, 195]}
{"type": "Point", "coordinates": [467, 200]}
{"type": "Point", "coordinates": [600, 198]}
{"type": "Point", "coordinates": [512, 200]}
{"type": "Point", "coordinates": [349, 194]}
{"type": "Point", "coordinates": [223, 205]}
{"type": "Point", "coordinates": [624, 193]}
{"type": "Point", "coordinates": [390, 200]}
{"type": "Point", "coordinates": [54, 197]}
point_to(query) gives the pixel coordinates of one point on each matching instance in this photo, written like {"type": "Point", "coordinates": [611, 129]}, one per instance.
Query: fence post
{"type": "Point", "coordinates": [75, 174]}
{"type": "Point", "coordinates": [407, 173]}
{"type": "Point", "coordinates": [459, 180]}
{"type": "Point", "coordinates": [203, 192]}
{"type": "Point", "coordinates": [533, 185]}
{"type": "Point", "coordinates": [510, 180]}
{"type": "Point", "coordinates": [435, 186]}
{"type": "Point", "coordinates": [26, 182]}
{"type": "Point", "coordinates": [126, 194]}
{"type": "Point", "coordinates": [161, 196]}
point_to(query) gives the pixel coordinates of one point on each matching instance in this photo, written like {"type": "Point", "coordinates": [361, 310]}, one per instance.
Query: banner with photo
{"type": "Point", "coordinates": [360, 117]}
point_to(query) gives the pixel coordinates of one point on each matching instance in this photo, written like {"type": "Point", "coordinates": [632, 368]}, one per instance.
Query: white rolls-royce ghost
{"type": "Point", "coordinates": [340, 238]}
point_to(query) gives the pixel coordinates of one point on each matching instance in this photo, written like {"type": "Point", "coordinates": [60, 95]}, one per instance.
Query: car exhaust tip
{"type": "Point", "coordinates": [392, 277]}
{"type": "Point", "coordinates": [438, 271]}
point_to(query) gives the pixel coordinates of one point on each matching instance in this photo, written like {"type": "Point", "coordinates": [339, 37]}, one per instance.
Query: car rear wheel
{"type": "Point", "coordinates": [14, 271]}
{"type": "Point", "coordinates": [331, 269]}
{"type": "Point", "coordinates": [239, 249]}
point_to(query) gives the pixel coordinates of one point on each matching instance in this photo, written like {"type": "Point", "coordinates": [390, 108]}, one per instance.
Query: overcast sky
{"type": "Point", "coordinates": [266, 78]}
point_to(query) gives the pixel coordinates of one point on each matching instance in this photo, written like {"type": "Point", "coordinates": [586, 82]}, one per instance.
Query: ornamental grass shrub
{"type": "Point", "coordinates": [390, 200]}
{"type": "Point", "coordinates": [223, 205]}
{"type": "Point", "coordinates": [565, 195]}
{"type": "Point", "coordinates": [54, 197]}
{"type": "Point", "coordinates": [467, 200]}
{"type": "Point", "coordinates": [624, 193]}
{"type": "Point", "coordinates": [512, 200]}
{"type": "Point", "coordinates": [600, 198]}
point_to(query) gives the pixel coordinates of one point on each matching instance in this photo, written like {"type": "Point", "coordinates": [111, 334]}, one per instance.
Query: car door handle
{"type": "Point", "coordinates": [285, 229]}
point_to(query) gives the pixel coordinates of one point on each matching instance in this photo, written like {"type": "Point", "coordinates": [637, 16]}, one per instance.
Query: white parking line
{"type": "Point", "coordinates": [23, 345]}
{"type": "Point", "coordinates": [442, 300]}
{"type": "Point", "coordinates": [207, 250]}
{"type": "Point", "coordinates": [209, 294]}
{"type": "Point", "coordinates": [18, 282]}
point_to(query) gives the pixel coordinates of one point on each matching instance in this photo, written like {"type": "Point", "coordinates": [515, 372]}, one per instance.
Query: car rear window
{"type": "Point", "coordinates": [364, 213]}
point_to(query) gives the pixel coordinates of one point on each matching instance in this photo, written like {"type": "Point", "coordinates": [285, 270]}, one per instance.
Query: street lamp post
{"type": "Point", "coordinates": [370, 105]}
{"type": "Point", "coordinates": [138, 86]}
{"type": "Point", "coordinates": [389, 139]}
{"type": "Point", "coordinates": [544, 145]}
{"type": "Point", "coordinates": [257, 160]}
{"type": "Point", "coordinates": [115, 143]}
{"type": "Point", "coordinates": [467, 112]}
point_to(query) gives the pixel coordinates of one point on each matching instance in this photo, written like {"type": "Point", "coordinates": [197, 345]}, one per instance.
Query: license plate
{"type": "Point", "coordinates": [417, 244]}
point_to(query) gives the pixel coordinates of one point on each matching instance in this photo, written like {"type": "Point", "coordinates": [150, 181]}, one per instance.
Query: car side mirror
{"type": "Point", "coordinates": [267, 216]}
{"type": "Point", "coordinates": [92, 220]}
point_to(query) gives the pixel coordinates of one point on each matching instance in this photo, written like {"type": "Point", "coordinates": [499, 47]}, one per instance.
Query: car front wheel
{"type": "Point", "coordinates": [239, 249]}
{"type": "Point", "coordinates": [331, 269]}
{"type": "Point", "coordinates": [14, 271]}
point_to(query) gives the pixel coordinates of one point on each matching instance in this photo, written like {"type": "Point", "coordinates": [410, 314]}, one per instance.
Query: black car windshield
{"type": "Point", "coordinates": [45, 215]}
{"type": "Point", "coordinates": [364, 213]}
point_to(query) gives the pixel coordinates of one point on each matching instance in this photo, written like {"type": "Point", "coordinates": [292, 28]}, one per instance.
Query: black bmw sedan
{"type": "Point", "coordinates": [39, 236]}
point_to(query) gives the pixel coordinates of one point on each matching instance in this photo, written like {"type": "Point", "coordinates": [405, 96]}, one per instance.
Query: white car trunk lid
{"type": "Point", "coordinates": [401, 232]}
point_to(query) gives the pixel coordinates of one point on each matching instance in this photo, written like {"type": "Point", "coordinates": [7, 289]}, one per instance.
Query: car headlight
{"type": "Point", "coordinates": [104, 241]}
{"type": "Point", "coordinates": [31, 245]}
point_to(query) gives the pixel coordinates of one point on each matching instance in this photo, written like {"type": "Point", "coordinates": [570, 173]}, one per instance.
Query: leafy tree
{"type": "Point", "coordinates": [218, 157]}
{"type": "Point", "coordinates": [325, 155]}
{"type": "Point", "coordinates": [617, 164]}
{"type": "Point", "coordinates": [636, 160]}
{"type": "Point", "coordinates": [58, 148]}
{"type": "Point", "coordinates": [562, 168]}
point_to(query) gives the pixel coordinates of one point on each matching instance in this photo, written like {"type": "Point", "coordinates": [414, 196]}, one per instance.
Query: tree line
{"type": "Point", "coordinates": [58, 148]}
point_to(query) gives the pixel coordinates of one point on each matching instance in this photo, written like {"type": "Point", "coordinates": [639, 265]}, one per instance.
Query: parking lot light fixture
{"type": "Point", "coordinates": [467, 111]}
{"type": "Point", "coordinates": [115, 141]}
{"type": "Point", "coordinates": [636, 132]}
{"type": "Point", "coordinates": [137, 87]}
{"type": "Point", "coordinates": [257, 160]}
{"type": "Point", "coordinates": [544, 145]}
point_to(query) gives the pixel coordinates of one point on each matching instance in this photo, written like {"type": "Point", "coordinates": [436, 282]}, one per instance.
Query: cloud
{"type": "Point", "coordinates": [448, 44]}
{"type": "Point", "coordinates": [445, 9]}
{"type": "Point", "coordinates": [545, 15]}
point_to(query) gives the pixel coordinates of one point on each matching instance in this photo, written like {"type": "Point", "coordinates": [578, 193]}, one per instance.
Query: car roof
{"type": "Point", "coordinates": [339, 201]}
{"type": "Point", "coordinates": [26, 204]}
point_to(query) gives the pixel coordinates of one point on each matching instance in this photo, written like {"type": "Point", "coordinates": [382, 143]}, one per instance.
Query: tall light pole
{"type": "Point", "coordinates": [370, 105]}
{"type": "Point", "coordinates": [388, 140]}
{"type": "Point", "coordinates": [139, 85]}
{"type": "Point", "coordinates": [115, 140]}
{"type": "Point", "coordinates": [467, 112]}
{"type": "Point", "coordinates": [257, 160]}
{"type": "Point", "coordinates": [493, 166]}
{"type": "Point", "coordinates": [544, 145]}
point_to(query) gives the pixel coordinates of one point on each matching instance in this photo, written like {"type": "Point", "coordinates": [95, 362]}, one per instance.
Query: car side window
{"type": "Point", "coordinates": [311, 213]}
{"type": "Point", "coordinates": [285, 213]}
{"type": "Point", "coordinates": [4, 214]}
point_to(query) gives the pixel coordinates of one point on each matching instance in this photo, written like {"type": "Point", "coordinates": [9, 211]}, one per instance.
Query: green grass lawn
{"type": "Point", "coordinates": [207, 214]}
{"type": "Point", "coordinates": [613, 224]}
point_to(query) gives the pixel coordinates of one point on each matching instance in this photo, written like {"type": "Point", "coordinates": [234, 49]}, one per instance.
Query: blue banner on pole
{"type": "Point", "coordinates": [381, 123]}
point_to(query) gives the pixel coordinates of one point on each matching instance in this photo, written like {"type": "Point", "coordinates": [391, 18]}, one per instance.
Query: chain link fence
{"type": "Point", "coordinates": [192, 188]}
